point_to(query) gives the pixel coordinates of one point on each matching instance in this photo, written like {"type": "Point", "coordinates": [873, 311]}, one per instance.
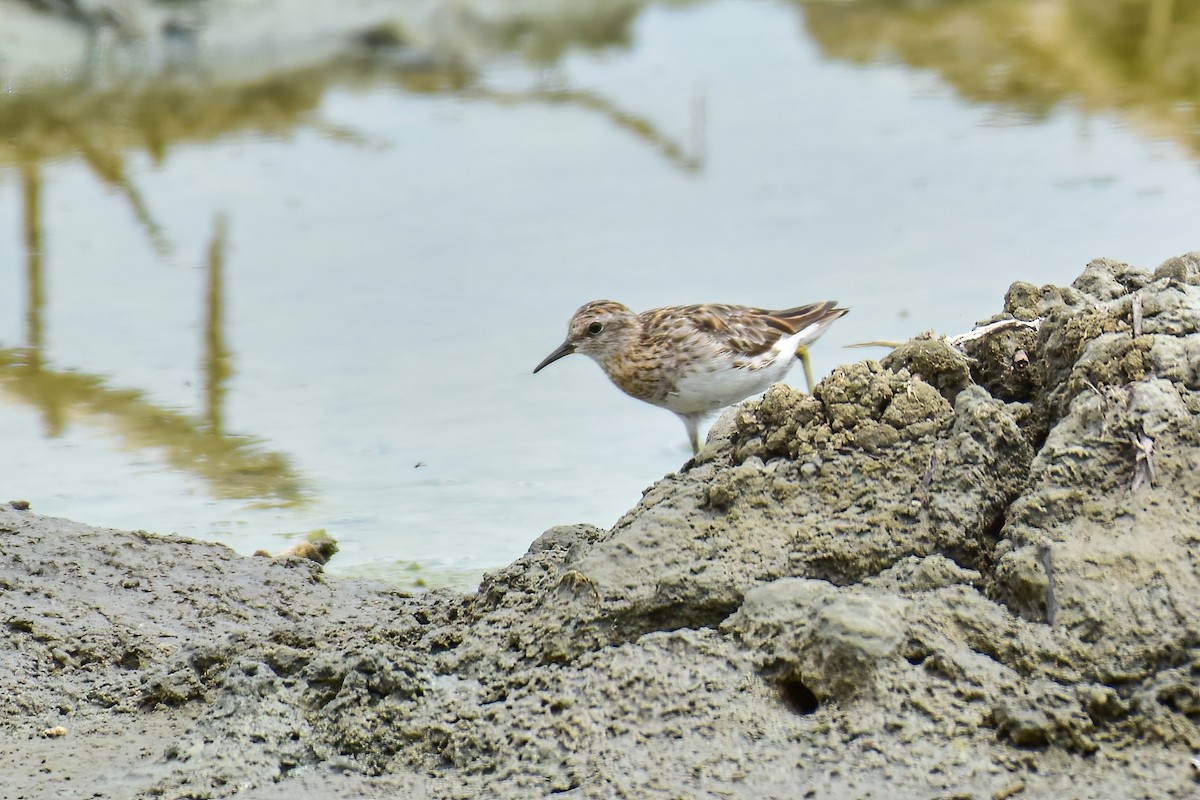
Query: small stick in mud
{"type": "Point", "coordinates": [927, 478]}
{"type": "Point", "coordinates": [1137, 314]}
{"type": "Point", "coordinates": [955, 341]}
{"type": "Point", "coordinates": [1048, 565]}
{"type": "Point", "coordinates": [1143, 464]}
{"type": "Point", "coordinates": [992, 327]}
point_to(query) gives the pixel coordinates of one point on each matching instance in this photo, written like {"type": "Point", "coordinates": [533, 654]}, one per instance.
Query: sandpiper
{"type": "Point", "coordinates": [693, 360]}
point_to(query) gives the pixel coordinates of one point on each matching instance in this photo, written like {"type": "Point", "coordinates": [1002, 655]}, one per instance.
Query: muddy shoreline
{"type": "Point", "coordinates": [961, 571]}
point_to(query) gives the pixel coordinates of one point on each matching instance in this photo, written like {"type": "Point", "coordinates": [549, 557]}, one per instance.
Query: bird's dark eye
{"type": "Point", "coordinates": [595, 328]}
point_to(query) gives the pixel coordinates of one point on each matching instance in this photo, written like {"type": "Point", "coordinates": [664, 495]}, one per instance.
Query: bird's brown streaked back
{"type": "Point", "coordinates": [745, 331]}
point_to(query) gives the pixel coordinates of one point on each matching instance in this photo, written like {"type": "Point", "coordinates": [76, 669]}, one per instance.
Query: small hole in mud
{"type": "Point", "coordinates": [798, 696]}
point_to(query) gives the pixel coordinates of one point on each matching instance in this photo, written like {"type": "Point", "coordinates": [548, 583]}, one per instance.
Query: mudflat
{"type": "Point", "coordinates": [966, 570]}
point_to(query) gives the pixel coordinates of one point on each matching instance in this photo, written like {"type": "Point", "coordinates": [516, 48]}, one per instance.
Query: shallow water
{"type": "Point", "coordinates": [304, 288]}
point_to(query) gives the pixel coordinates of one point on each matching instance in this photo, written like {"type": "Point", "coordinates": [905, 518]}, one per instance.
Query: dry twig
{"type": "Point", "coordinates": [969, 336]}
{"type": "Point", "coordinates": [1048, 565]}
{"type": "Point", "coordinates": [990, 328]}
{"type": "Point", "coordinates": [1143, 464]}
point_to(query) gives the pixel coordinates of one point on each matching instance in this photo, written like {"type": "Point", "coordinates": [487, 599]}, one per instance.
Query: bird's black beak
{"type": "Point", "coordinates": [564, 349]}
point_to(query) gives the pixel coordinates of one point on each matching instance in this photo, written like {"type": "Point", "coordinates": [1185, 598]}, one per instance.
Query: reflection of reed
{"type": "Point", "coordinates": [1158, 28]}
{"type": "Point", "coordinates": [640, 127]}
{"type": "Point", "coordinates": [104, 125]}
{"type": "Point", "coordinates": [216, 355]}
{"type": "Point", "coordinates": [452, 78]}
{"type": "Point", "coordinates": [109, 166]}
{"type": "Point", "coordinates": [236, 467]}
{"type": "Point", "coordinates": [1138, 58]}
{"type": "Point", "coordinates": [31, 200]}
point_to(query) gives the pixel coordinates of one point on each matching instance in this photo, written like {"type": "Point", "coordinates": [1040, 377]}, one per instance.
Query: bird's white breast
{"type": "Point", "coordinates": [725, 379]}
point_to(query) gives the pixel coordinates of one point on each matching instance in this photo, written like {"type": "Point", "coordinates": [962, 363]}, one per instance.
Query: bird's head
{"type": "Point", "coordinates": [599, 329]}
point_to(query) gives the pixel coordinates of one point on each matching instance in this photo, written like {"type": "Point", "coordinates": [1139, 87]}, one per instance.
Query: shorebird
{"type": "Point", "coordinates": [693, 360]}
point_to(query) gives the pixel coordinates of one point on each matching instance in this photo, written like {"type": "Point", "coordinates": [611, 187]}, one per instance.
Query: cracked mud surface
{"type": "Point", "coordinates": [940, 576]}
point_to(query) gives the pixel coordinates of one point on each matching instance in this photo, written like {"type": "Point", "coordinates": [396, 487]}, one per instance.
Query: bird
{"type": "Point", "coordinates": [695, 359]}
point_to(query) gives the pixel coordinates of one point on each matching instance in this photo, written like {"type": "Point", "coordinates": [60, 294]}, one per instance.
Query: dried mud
{"type": "Point", "coordinates": [946, 574]}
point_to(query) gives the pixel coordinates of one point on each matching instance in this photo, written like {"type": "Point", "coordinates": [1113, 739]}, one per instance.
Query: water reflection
{"type": "Point", "coordinates": [1137, 58]}
{"type": "Point", "coordinates": [147, 88]}
{"type": "Point", "coordinates": [235, 467]}
{"type": "Point", "coordinates": [110, 112]}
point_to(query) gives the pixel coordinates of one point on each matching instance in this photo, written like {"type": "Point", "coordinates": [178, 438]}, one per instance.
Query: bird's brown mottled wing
{"type": "Point", "coordinates": [738, 329]}
{"type": "Point", "coordinates": [802, 316]}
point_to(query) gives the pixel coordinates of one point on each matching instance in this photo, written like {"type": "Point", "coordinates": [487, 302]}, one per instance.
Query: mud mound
{"type": "Point", "coordinates": [965, 570]}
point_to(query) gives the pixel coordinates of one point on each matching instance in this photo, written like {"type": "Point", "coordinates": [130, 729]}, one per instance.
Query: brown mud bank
{"type": "Point", "coordinates": [959, 572]}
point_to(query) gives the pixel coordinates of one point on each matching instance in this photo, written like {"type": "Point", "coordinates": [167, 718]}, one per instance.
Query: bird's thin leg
{"type": "Point", "coordinates": [692, 423]}
{"type": "Point", "coordinates": [802, 354]}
